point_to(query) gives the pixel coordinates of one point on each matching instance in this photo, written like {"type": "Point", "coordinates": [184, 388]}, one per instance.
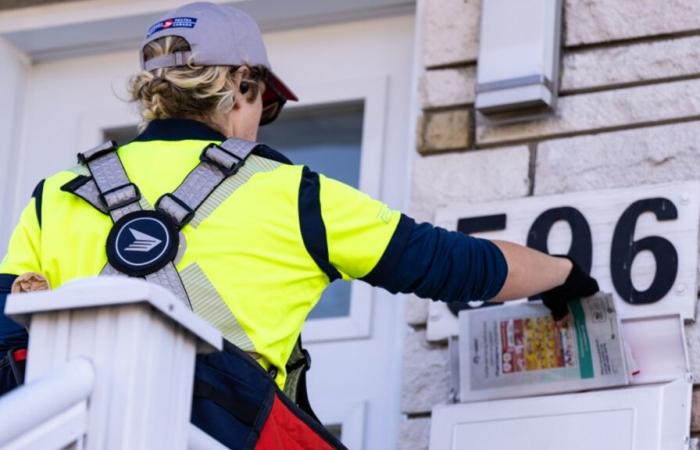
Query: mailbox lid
{"type": "Point", "coordinates": [658, 348]}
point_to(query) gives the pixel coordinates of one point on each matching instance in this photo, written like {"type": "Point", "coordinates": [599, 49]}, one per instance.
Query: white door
{"type": "Point", "coordinates": [354, 82]}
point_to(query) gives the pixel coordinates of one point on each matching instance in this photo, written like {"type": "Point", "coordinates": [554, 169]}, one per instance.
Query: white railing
{"type": "Point", "coordinates": [110, 366]}
{"type": "Point", "coordinates": [49, 412]}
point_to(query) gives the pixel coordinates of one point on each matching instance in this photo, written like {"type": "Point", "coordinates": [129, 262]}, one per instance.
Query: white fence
{"type": "Point", "coordinates": [110, 366]}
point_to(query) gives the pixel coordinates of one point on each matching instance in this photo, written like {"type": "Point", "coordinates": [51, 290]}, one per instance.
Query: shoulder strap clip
{"type": "Point", "coordinates": [217, 163]}
{"type": "Point", "coordinates": [178, 210]}
{"type": "Point", "coordinates": [96, 152]}
{"type": "Point", "coordinates": [227, 157]}
{"type": "Point", "coordinates": [121, 196]}
{"type": "Point", "coordinates": [303, 362]}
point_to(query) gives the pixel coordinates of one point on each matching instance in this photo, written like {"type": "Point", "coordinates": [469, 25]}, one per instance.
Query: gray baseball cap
{"type": "Point", "coordinates": [218, 35]}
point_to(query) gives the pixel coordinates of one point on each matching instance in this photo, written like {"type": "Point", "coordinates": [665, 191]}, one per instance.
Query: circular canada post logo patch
{"type": "Point", "coordinates": [142, 242]}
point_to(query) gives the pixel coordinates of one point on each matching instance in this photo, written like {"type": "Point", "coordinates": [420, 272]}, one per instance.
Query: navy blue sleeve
{"type": "Point", "coordinates": [11, 333]}
{"type": "Point", "coordinates": [439, 264]}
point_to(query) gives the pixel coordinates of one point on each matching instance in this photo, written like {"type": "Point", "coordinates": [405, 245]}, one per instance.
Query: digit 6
{"type": "Point", "coordinates": [624, 249]}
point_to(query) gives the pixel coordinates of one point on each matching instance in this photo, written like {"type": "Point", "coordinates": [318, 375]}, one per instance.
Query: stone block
{"type": "Point", "coordinates": [634, 63]}
{"type": "Point", "coordinates": [476, 176]}
{"type": "Point", "coordinates": [444, 131]}
{"type": "Point", "coordinates": [420, 126]}
{"type": "Point", "coordinates": [416, 311]}
{"type": "Point", "coordinates": [425, 374]}
{"type": "Point", "coordinates": [692, 336]}
{"type": "Point", "coordinates": [593, 21]}
{"type": "Point", "coordinates": [414, 434]}
{"type": "Point", "coordinates": [448, 87]}
{"type": "Point", "coordinates": [695, 413]}
{"type": "Point", "coordinates": [450, 31]}
{"type": "Point", "coordinates": [656, 154]}
{"type": "Point", "coordinates": [599, 111]}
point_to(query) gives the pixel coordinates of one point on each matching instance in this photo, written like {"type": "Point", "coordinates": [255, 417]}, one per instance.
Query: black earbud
{"type": "Point", "coordinates": [244, 87]}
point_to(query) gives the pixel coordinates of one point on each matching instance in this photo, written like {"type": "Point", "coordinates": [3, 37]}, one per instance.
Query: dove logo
{"type": "Point", "coordinates": [142, 242]}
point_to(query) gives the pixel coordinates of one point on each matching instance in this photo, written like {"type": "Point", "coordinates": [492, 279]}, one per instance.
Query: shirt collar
{"type": "Point", "coordinates": [178, 130]}
{"type": "Point", "coordinates": [189, 129]}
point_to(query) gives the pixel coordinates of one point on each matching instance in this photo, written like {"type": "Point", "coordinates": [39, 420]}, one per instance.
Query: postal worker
{"type": "Point", "coordinates": [232, 227]}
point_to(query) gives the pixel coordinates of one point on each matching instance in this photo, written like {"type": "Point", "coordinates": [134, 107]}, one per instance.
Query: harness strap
{"type": "Point", "coordinates": [111, 191]}
{"type": "Point", "coordinates": [168, 278]}
{"type": "Point", "coordinates": [84, 187]}
{"type": "Point", "coordinates": [298, 364]}
{"type": "Point", "coordinates": [217, 163]}
{"type": "Point", "coordinates": [119, 196]}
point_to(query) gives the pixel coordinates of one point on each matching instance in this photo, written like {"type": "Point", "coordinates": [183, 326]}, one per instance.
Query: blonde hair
{"type": "Point", "coordinates": [188, 91]}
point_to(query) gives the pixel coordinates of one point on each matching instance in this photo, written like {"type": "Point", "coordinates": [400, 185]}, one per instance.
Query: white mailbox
{"type": "Point", "coordinates": [641, 245]}
{"type": "Point", "coordinates": [651, 417]}
{"type": "Point", "coordinates": [518, 55]}
{"type": "Point", "coordinates": [651, 414]}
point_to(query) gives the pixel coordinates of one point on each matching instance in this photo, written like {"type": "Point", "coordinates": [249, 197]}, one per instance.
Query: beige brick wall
{"type": "Point", "coordinates": [629, 113]}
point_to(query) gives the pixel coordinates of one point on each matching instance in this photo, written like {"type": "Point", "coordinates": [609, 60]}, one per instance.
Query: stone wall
{"type": "Point", "coordinates": [629, 113]}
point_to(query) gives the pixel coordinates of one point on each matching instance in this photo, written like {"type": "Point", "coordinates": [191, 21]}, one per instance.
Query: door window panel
{"type": "Point", "coordinates": [121, 135]}
{"type": "Point", "coordinates": [328, 139]}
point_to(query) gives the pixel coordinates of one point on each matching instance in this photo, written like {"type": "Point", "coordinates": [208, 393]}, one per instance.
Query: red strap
{"type": "Point", "coordinates": [20, 355]}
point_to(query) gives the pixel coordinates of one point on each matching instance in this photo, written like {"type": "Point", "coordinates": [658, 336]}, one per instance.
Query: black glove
{"type": "Point", "coordinates": [578, 284]}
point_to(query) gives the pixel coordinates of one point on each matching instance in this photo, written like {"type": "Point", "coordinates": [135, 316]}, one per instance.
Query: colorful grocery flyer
{"type": "Point", "coordinates": [519, 350]}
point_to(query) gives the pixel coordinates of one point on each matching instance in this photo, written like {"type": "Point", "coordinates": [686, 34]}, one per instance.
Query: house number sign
{"type": "Point", "coordinates": [640, 243]}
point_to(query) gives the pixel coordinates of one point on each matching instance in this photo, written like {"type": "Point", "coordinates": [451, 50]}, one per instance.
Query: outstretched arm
{"type": "Point", "coordinates": [367, 240]}
{"type": "Point", "coordinates": [450, 266]}
{"type": "Point", "coordinates": [530, 272]}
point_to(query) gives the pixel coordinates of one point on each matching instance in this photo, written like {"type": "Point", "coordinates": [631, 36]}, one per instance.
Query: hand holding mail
{"type": "Point", "coordinates": [578, 284]}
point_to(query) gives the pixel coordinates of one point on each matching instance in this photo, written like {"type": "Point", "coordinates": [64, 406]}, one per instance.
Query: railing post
{"type": "Point", "coordinates": [142, 342]}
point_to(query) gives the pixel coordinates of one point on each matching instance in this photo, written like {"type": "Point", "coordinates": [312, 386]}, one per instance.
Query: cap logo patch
{"type": "Point", "coordinates": [175, 22]}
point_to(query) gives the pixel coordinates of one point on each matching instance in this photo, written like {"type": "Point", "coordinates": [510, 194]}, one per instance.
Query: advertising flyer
{"type": "Point", "coordinates": [518, 350]}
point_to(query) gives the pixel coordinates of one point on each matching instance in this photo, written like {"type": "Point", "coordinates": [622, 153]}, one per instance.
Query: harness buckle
{"type": "Point", "coordinates": [175, 208]}
{"type": "Point", "coordinates": [97, 152]}
{"type": "Point", "coordinates": [225, 161]}
{"type": "Point", "coordinates": [304, 361]}
{"type": "Point", "coordinates": [121, 196]}
{"type": "Point", "coordinates": [307, 357]}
